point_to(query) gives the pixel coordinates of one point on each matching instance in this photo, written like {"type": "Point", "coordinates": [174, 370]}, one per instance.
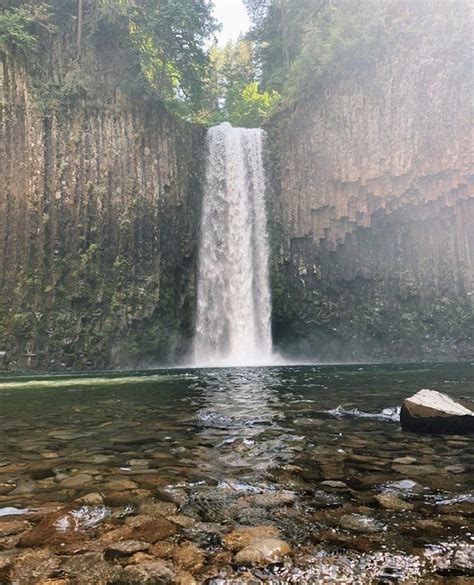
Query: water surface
{"type": "Point", "coordinates": [316, 451]}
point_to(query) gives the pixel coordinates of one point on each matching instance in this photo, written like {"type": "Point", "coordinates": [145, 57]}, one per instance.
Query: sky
{"type": "Point", "coordinates": [234, 18]}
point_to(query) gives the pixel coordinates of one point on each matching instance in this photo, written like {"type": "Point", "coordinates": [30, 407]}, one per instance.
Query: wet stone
{"type": "Point", "coordinates": [76, 481]}
{"type": "Point", "coordinates": [360, 523]}
{"type": "Point", "coordinates": [189, 557]}
{"type": "Point", "coordinates": [154, 530]}
{"type": "Point", "coordinates": [121, 485]}
{"type": "Point", "coordinates": [147, 573]}
{"type": "Point", "coordinates": [415, 470]}
{"type": "Point", "coordinates": [56, 528]}
{"type": "Point", "coordinates": [92, 499]}
{"type": "Point", "coordinates": [455, 469]}
{"type": "Point", "coordinates": [404, 460]}
{"type": "Point", "coordinates": [390, 501]}
{"type": "Point", "coordinates": [263, 552]}
{"type": "Point", "coordinates": [32, 566]}
{"type": "Point", "coordinates": [239, 539]}
{"type": "Point", "coordinates": [90, 568]}
{"type": "Point", "coordinates": [334, 484]}
{"type": "Point", "coordinates": [157, 509]}
{"type": "Point", "coordinates": [323, 499]}
{"type": "Point", "coordinates": [125, 548]}
{"type": "Point", "coordinates": [13, 527]}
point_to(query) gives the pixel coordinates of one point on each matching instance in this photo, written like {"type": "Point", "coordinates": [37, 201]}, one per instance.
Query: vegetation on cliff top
{"type": "Point", "coordinates": [162, 49]}
{"type": "Point", "coordinates": [155, 47]}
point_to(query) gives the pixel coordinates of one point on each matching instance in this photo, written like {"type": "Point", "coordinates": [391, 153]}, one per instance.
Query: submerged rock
{"type": "Point", "coordinates": [263, 552]}
{"type": "Point", "coordinates": [390, 501]}
{"type": "Point", "coordinates": [125, 548]}
{"type": "Point", "coordinates": [429, 411]}
{"type": "Point", "coordinates": [243, 537]}
{"type": "Point", "coordinates": [360, 523]}
{"type": "Point", "coordinates": [147, 573]}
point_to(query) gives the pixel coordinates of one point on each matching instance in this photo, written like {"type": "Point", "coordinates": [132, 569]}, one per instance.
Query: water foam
{"type": "Point", "coordinates": [233, 301]}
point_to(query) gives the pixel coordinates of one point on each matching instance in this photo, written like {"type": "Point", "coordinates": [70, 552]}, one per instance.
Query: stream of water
{"type": "Point", "coordinates": [234, 305]}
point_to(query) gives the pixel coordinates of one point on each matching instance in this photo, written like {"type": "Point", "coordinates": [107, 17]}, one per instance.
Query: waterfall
{"type": "Point", "coordinates": [233, 293]}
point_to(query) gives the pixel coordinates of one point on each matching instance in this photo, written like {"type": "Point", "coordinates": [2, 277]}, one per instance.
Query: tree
{"type": "Point", "coordinates": [233, 92]}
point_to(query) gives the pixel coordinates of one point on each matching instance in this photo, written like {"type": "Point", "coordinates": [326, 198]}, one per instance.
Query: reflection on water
{"type": "Point", "coordinates": [241, 417]}
{"type": "Point", "coordinates": [315, 451]}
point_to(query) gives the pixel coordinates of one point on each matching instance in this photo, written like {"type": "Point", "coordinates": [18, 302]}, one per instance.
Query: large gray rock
{"type": "Point", "coordinates": [429, 411]}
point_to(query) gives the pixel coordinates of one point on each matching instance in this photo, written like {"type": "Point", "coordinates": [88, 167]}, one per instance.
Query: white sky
{"type": "Point", "coordinates": [234, 18]}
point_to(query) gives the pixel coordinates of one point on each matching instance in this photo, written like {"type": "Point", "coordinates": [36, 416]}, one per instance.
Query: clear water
{"type": "Point", "coordinates": [233, 293]}
{"type": "Point", "coordinates": [302, 448]}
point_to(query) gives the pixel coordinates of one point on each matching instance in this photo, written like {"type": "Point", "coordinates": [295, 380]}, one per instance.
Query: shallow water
{"type": "Point", "coordinates": [316, 451]}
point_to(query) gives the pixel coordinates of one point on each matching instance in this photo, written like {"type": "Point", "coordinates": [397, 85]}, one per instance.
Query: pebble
{"type": "Point", "coordinates": [404, 460]}
{"type": "Point", "coordinates": [455, 469]}
{"type": "Point", "coordinates": [333, 483]}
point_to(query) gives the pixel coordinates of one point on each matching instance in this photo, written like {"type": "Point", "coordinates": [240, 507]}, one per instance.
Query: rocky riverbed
{"type": "Point", "coordinates": [281, 475]}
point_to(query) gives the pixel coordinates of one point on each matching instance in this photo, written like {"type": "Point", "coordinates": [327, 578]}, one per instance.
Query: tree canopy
{"type": "Point", "coordinates": [160, 43]}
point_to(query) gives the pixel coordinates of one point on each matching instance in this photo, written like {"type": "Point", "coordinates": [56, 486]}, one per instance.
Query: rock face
{"type": "Point", "coordinates": [429, 411]}
{"type": "Point", "coordinates": [98, 215]}
{"type": "Point", "coordinates": [373, 200]}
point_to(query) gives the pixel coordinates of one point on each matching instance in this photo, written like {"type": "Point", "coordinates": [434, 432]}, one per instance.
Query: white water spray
{"type": "Point", "coordinates": [233, 296]}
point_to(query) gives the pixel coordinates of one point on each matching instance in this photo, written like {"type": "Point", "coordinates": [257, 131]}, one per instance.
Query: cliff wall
{"type": "Point", "coordinates": [98, 211]}
{"type": "Point", "coordinates": [373, 202]}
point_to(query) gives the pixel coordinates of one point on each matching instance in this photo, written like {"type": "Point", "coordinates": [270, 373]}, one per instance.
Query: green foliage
{"type": "Point", "coordinates": [341, 37]}
{"type": "Point", "coordinates": [278, 32]}
{"type": "Point", "coordinates": [248, 106]}
{"type": "Point", "coordinates": [19, 28]}
{"type": "Point", "coordinates": [300, 42]}
{"type": "Point", "coordinates": [152, 48]}
{"type": "Point", "coordinates": [233, 93]}
{"type": "Point", "coordinates": [169, 35]}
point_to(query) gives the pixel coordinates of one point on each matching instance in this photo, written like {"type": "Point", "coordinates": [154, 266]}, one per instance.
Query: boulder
{"type": "Point", "coordinates": [429, 411]}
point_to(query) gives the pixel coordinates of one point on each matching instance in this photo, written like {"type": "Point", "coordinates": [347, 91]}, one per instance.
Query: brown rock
{"type": "Point", "coordinates": [125, 548]}
{"type": "Point", "coordinates": [120, 485]}
{"type": "Point", "coordinates": [90, 568]}
{"type": "Point", "coordinates": [92, 499]}
{"type": "Point", "coordinates": [184, 578]}
{"type": "Point", "coordinates": [183, 521]}
{"type": "Point", "coordinates": [155, 530]}
{"type": "Point", "coordinates": [263, 552]}
{"type": "Point", "coordinates": [189, 557]}
{"type": "Point", "coordinates": [122, 533]}
{"type": "Point", "coordinates": [239, 539]}
{"type": "Point", "coordinates": [76, 481]}
{"type": "Point", "coordinates": [32, 566]}
{"type": "Point", "coordinates": [157, 509]}
{"type": "Point", "coordinates": [392, 502]}
{"type": "Point", "coordinates": [163, 550]}
{"type": "Point", "coordinates": [13, 527]}
{"type": "Point", "coordinates": [57, 528]}
{"type": "Point", "coordinates": [149, 573]}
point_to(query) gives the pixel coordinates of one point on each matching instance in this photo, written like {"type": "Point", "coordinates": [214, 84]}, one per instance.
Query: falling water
{"type": "Point", "coordinates": [234, 305]}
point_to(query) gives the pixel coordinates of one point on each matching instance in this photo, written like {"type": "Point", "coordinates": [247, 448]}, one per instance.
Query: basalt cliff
{"type": "Point", "coordinates": [99, 203]}
{"type": "Point", "coordinates": [373, 203]}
